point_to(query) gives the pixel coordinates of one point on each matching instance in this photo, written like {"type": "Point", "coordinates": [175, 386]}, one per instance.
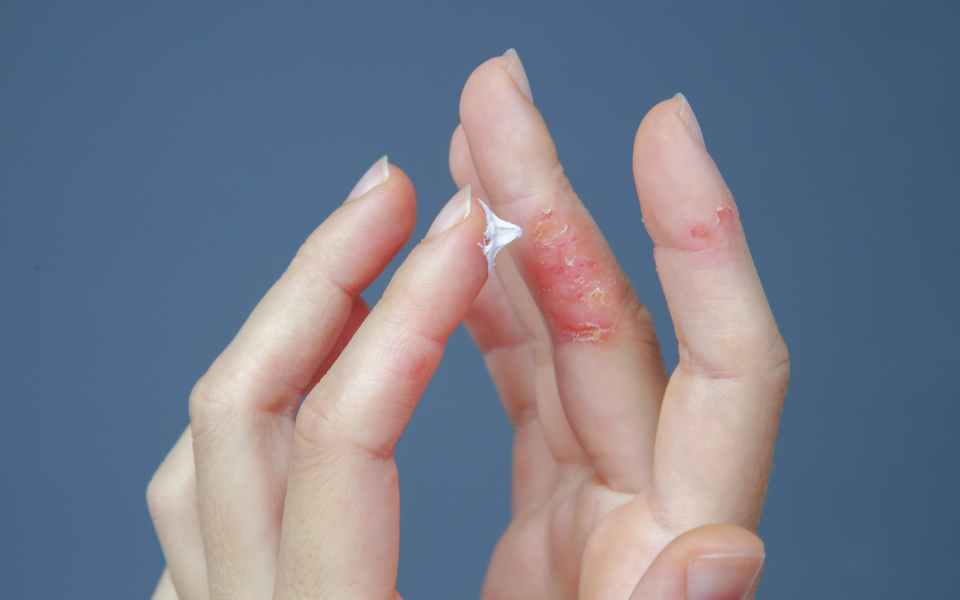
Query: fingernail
{"type": "Point", "coordinates": [456, 210]}
{"type": "Point", "coordinates": [515, 68]}
{"type": "Point", "coordinates": [723, 576]}
{"type": "Point", "coordinates": [375, 175]}
{"type": "Point", "coordinates": [686, 113]}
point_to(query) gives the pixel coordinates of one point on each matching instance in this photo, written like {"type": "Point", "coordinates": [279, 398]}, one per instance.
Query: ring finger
{"type": "Point", "coordinates": [172, 498]}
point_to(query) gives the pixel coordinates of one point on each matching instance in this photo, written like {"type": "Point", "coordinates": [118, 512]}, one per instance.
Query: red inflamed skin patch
{"type": "Point", "coordinates": [723, 226]}
{"type": "Point", "coordinates": [573, 276]}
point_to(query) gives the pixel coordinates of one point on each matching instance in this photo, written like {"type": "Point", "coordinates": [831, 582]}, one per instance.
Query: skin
{"type": "Point", "coordinates": [627, 483]}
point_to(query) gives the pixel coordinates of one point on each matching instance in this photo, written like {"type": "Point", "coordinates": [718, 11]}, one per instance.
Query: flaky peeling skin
{"type": "Point", "coordinates": [723, 226]}
{"type": "Point", "coordinates": [573, 277]}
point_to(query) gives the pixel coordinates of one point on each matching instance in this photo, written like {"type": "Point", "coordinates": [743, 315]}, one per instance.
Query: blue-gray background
{"type": "Point", "coordinates": [160, 164]}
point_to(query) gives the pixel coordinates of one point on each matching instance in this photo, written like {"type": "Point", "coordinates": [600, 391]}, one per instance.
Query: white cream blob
{"type": "Point", "coordinates": [498, 234]}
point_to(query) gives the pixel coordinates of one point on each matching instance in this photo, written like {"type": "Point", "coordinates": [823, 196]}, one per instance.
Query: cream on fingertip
{"type": "Point", "coordinates": [498, 234]}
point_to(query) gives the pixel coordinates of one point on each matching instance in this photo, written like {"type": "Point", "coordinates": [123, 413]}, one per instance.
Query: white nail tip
{"type": "Point", "coordinates": [498, 234]}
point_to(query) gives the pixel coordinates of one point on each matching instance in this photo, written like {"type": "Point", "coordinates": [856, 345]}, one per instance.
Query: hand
{"type": "Point", "coordinates": [613, 461]}
{"type": "Point", "coordinates": [258, 500]}
{"type": "Point", "coordinates": [260, 504]}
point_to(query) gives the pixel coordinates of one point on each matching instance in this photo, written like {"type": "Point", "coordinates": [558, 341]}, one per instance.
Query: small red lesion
{"type": "Point", "coordinates": [724, 215]}
{"type": "Point", "coordinates": [417, 364]}
{"type": "Point", "coordinates": [723, 222]}
{"type": "Point", "coordinates": [700, 231]}
{"type": "Point", "coordinates": [573, 277]}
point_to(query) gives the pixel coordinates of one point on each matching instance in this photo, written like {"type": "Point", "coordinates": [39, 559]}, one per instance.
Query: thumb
{"type": "Point", "coordinates": [713, 562]}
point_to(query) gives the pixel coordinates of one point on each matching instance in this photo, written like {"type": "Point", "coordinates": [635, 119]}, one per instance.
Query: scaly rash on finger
{"type": "Point", "coordinates": [722, 227]}
{"type": "Point", "coordinates": [572, 276]}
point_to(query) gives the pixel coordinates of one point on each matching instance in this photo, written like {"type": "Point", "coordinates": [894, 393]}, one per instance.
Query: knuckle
{"type": "Point", "coordinates": [314, 250]}
{"type": "Point", "coordinates": [768, 361]}
{"type": "Point", "coordinates": [211, 404]}
{"type": "Point", "coordinates": [168, 495]}
{"type": "Point", "coordinates": [779, 361]}
{"type": "Point", "coordinates": [205, 396]}
{"type": "Point", "coordinates": [156, 495]}
{"type": "Point", "coordinates": [731, 353]}
{"type": "Point", "coordinates": [316, 434]}
{"type": "Point", "coordinates": [315, 256]}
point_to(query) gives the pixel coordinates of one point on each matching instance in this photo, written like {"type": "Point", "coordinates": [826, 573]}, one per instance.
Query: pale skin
{"type": "Point", "coordinates": [628, 483]}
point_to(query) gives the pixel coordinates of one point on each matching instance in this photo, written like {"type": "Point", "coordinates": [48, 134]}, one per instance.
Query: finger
{"type": "Point", "coordinates": [722, 407]}
{"type": "Point", "coordinates": [165, 589]}
{"type": "Point", "coordinates": [525, 311]}
{"type": "Point", "coordinates": [494, 328]}
{"type": "Point", "coordinates": [172, 499]}
{"type": "Point", "coordinates": [715, 562]}
{"type": "Point", "coordinates": [358, 312]}
{"type": "Point", "coordinates": [341, 520]}
{"type": "Point", "coordinates": [609, 371]}
{"type": "Point", "coordinates": [492, 325]}
{"type": "Point", "coordinates": [242, 410]}
{"type": "Point", "coordinates": [506, 325]}
{"type": "Point", "coordinates": [554, 427]}
{"type": "Point", "coordinates": [294, 327]}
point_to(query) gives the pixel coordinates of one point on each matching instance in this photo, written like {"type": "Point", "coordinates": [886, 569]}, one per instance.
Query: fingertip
{"type": "Point", "coordinates": [399, 186]}
{"type": "Point", "coordinates": [459, 232]}
{"type": "Point", "coordinates": [518, 73]}
{"type": "Point", "coordinates": [664, 119]}
{"type": "Point", "coordinates": [456, 210]}
{"type": "Point", "coordinates": [395, 199]}
{"type": "Point", "coordinates": [374, 176]}
{"type": "Point", "coordinates": [491, 76]}
{"type": "Point", "coordinates": [685, 202]}
{"type": "Point", "coordinates": [713, 561]}
{"type": "Point", "coordinates": [688, 116]}
{"type": "Point", "coordinates": [366, 231]}
{"type": "Point", "coordinates": [382, 177]}
{"type": "Point", "coordinates": [476, 228]}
